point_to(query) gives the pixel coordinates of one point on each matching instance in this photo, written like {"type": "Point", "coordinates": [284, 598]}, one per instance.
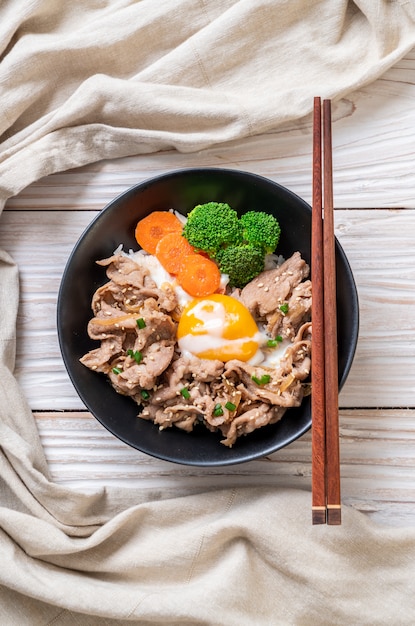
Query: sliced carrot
{"type": "Point", "coordinates": [171, 250]}
{"type": "Point", "coordinates": [199, 276]}
{"type": "Point", "coordinates": [154, 226]}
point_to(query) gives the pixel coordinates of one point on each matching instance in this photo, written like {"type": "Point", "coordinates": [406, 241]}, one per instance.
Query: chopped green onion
{"type": "Point", "coordinates": [217, 411]}
{"type": "Point", "coordinates": [272, 343]}
{"type": "Point", "coordinates": [265, 378]}
{"type": "Point", "coordinates": [136, 355]}
{"type": "Point", "coordinates": [284, 308]}
{"type": "Point", "coordinates": [230, 406]}
{"type": "Point", "coordinates": [185, 393]}
{"type": "Point", "coordinates": [145, 394]}
{"type": "Point", "coordinates": [117, 370]}
{"type": "Point", "coordinates": [141, 323]}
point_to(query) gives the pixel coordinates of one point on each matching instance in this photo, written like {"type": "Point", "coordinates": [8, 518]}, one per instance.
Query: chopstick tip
{"type": "Point", "coordinates": [334, 516]}
{"type": "Point", "coordinates": [318, 514]}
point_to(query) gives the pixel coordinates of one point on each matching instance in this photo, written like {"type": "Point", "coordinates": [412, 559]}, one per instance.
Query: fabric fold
{"type": "Point", "coordinates": [253, 552]}
{"type": "Point", "coordinates": [110, 81]}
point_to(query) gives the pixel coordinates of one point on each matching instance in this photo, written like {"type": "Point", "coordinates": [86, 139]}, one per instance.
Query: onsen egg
{"type": "Point", "coordinates": [218, 327]}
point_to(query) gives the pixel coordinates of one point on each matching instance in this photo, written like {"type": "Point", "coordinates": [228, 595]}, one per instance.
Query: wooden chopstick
{"type": "Point", "coordinates": [326, 507]}
{"type": "Point", "coordinates": [330, 328]}
{"type": "Point", "coordinates": [318, 408]}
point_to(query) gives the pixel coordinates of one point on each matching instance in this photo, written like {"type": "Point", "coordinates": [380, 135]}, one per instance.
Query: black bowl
{"type": "Point", "coordinates": [115, 224]}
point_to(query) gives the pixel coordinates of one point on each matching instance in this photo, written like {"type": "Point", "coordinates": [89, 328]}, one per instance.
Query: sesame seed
{"type": "Point", "coordinates": [260, 285]}
{"type": "Point", "coordinates": [266, 288]}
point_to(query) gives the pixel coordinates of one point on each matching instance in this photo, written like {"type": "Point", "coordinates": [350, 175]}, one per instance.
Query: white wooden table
{"type": "Point", "coordinates": [374, 188]}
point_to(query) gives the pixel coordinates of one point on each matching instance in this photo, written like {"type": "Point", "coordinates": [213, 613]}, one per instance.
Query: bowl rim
{"type": "Point", "coordinates": [192, 171]}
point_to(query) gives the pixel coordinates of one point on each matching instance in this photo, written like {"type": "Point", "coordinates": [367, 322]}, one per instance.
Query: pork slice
{"type": "Point", "coordinates": [283, 389]}
{"type": "Point", "coordinates": [297, 357]}
{"type": "Point", "coordinates": [205, 370]}
{"type": "Point", "coordinates": [286, 324]}
{"type": "Point", "coordinates": [265, 293]}
{"type": "Point", "coordinates": [123, 341]}
{"type": "Point", "coordinates": [157, 357]}
{"type": "Point", "coordinates": [133, 376]}
{"type": "Point", "coordinates": [136, 282]}
{"type": "Point", "coordinates": [100, 358]}
{"type": "Point", "coordinates": [122, 270]}
{"type": "Point", "coordinates": [113, 322]}
{"type": "Point", "coordinates": [108, 297]}
{"type": "Point", "coordinates": [186, 368]}
{"type": "Point", "coordinates": [257, 417]}
{"type": "Point", "coordinates": [180, 414]}
{"type": "Point", "coordinates": [100, 328]}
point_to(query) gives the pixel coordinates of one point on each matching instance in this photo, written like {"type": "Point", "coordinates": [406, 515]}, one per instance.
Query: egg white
{"type": "Point", "coordinates": [269, 357]}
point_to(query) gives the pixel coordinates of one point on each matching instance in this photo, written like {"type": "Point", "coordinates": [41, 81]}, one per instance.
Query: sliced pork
{"type": "Point", "coordinates": [135, 323]}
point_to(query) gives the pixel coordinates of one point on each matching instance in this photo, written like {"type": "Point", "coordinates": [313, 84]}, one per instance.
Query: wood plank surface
{"type": "Point", "coordinates": [377, 462]}
{"type": "Point", "coordinates": [384, 270]}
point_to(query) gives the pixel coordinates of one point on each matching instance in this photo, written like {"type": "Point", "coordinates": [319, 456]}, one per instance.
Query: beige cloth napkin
{"type": "Point", "coordinates": [100, 79]}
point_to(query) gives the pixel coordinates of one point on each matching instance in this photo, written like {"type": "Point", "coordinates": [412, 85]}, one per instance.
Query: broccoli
{"type": "Point", "coordinates": [212, 226]}
{"type": "Point", "coordinates": [261, 230]}
{"type": "Point", "coordinates": [241, 262]}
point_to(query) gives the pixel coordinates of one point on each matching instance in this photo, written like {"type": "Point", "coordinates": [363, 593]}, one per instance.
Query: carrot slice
{"type": "Point", "coordinates": [171, 250]}
{"type": "Point", "coordinates": [199, 276]}
{"type": "Point", "coordinates": [154, 226]}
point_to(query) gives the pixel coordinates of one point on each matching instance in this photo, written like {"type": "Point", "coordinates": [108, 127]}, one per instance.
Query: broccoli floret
{"type": "Point", "coordinates": [261, 230]}
{"type": "Point", "coordinates": [242, 263]}
{"type": "Point", "coordinates": [212, 226]}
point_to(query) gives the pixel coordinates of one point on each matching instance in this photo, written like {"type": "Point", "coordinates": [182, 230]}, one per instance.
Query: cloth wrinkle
{"type": "Point", "coordinates": [202, 539]}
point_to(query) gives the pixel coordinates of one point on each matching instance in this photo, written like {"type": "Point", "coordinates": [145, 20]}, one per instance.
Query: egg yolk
{"type": "Point", "coordinates": [218, 327]}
